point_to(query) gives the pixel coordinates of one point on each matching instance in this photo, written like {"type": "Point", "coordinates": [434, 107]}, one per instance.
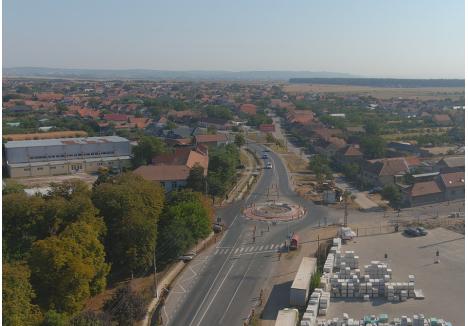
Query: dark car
{"type": "Point", "coordinates": [421, 231]}
{"type": "Point", "coordinates": [412, 232]}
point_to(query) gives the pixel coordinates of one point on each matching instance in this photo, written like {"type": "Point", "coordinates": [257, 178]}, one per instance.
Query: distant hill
{"type": "Point", "coordinates": [382, 82]}
{"type": "Point", "coordinates": [147, 74]}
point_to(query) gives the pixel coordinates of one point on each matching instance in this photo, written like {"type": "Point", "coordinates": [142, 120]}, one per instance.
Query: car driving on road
{"type": "Point", "coordinates": [415, 232]}
{"type": "Point", "coordinates": [269, 165]}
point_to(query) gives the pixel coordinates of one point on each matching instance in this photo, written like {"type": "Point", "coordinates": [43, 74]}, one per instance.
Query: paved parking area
{"type": "Point", "coordinates": [443, 284]}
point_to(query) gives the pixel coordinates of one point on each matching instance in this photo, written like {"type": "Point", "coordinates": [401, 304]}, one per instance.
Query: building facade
{"type": "Point", "coordinates": [48, 157]}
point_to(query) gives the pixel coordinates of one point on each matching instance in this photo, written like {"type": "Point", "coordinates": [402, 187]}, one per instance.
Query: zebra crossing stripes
{"type": "Point", "coordinates": [245, 250]}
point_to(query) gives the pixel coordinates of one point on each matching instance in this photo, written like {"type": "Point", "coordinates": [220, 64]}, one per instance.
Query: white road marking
{"type": "Point", "coordinates": [236, 250]}
{"type": "Point", "coordinates": [216, 252]}
{"type": "Point", "coordinates": [271, 247]}
{"type": "Point", "coordinates": [241, 249]}
{"type": "Point", "coordinates": [261, 248]}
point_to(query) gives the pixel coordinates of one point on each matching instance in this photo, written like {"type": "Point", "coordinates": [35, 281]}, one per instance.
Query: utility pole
{"type": "Point", "coordinates": [155, 278]}
{"type": "Point", "coordinates": [345, 222]}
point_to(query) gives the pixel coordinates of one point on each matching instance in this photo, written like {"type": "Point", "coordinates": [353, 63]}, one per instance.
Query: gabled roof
{"type": "Point", "coordinates": [182, 156]}
{"type": "Point", "coordinates": [452, 180]}
{"type": "Point", "coordinates": [453, 161]}
{"type": "Point", "coordinates": [116, 117]}
{"type": "Point", "coordinates": [352, 150]}
{"type": "Point", "coordinates": [425, 188]}
{"type": "Point", "coordinates": [250, 109]}
{"type": "Point", "coordinates": [163, 172]}
{"type": "Point", "coordinates": [389, 166]}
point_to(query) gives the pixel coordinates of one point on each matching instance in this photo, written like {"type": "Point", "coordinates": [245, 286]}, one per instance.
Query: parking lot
{"type": "Point", "coordinates": [443, 284]}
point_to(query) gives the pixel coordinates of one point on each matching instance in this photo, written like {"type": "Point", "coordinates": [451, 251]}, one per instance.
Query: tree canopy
{"type": "Point", "coordinates": [147, 148]}
{"type": "Point", "coordinates": [131, 207]}
{"type": "Point", "coordinates": [320, 166]}
{"type": "Point", "coordinates": [17, 294]}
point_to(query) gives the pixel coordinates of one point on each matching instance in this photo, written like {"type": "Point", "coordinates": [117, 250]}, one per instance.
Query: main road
{"type": "Point", "coordinates": [227, 288]}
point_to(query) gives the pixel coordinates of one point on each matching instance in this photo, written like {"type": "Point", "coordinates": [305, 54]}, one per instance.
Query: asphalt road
{"type": "Point", "coordinates": [227, 289]}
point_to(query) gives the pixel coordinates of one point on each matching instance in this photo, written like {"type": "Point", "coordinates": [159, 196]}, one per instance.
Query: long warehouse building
{"type": "Point", "coordinates": [47, 157]}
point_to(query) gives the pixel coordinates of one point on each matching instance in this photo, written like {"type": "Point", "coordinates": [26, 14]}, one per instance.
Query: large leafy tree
{"type": "Point", "coordinates": [186, 218]}
{"type": "Point", "coordinates": [131, 207]}
{"type": "Point", "coordinates": [22, 221]}
{"type": "Point", "coordinates": [239, 140]}
{"type": "Point", "coordinates": [147, 148]}
{"type": "Point", "coordinates": [391, 193]}
{"type": "Point", "coordinates": [17, 294]}
{"type": "Point", "coordinates": [222, 169]}
{"type": "Point", "coordinates": [320, 166]}
{"type": "Point", "coordinates": [373, 146]}
{"type": "Point", "coordinates": [196, 179]}
{"type": "Point", "coordinates": [68, 268]}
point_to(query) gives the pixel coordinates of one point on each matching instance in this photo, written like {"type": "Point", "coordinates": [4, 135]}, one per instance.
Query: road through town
{"type": "Point", "coordinates": [228, 286]}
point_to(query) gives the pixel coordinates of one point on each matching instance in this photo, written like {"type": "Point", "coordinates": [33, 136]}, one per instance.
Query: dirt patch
{"type": "Point", "coordinates": [426, 93]}
{"type": "Point", "coordinates": [47, 180]}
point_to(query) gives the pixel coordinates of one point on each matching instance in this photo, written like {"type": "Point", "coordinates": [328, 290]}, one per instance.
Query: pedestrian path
{"type": "Point", "coordinates": [247, 249]}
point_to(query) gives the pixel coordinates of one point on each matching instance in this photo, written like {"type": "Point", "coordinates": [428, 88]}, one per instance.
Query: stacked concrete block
{"type": "Point", "coordinates": [382, 320]}
{"type": "Point", "coordinates": [329, 263]}
{"type": "Point", "coordinates": [324, 303]}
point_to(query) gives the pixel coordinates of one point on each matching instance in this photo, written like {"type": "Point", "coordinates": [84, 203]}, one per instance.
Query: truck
{"type": "Point", "coordinates": [287, 317]}
{"type": "Point", "coordinates": [294, 242]}
{"type": "Point", "coordinates": [301, 285]}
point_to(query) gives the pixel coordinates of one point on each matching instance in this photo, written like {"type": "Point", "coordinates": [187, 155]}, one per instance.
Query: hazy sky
{"type": "Point", "coordinates": [391, 38]}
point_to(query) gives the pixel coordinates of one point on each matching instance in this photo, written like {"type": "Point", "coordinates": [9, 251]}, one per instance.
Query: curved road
{"type": "Point", "coordinates": [227, 288]}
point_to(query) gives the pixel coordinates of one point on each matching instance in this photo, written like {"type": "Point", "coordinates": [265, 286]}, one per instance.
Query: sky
{"type": "Point", "coordinates": [374, 38]}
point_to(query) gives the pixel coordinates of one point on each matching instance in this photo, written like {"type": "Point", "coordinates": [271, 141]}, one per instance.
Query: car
{"type": "Point", "coordinates": [375, 190]}
{"type": "Point", "coordinates": [264, 156]}
{"type": "Point", "coordinates": [187, 257]}
{"type": "Point", "coordinates": [422, 231]}
{"type": "Point", "coordinates": [412, 232]}
{"type": "Point", "coordinates": [269, 165]}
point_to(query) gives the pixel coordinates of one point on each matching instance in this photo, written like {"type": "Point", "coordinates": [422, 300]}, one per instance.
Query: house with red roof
{"type": "Point", "coordinates": [250, 109]}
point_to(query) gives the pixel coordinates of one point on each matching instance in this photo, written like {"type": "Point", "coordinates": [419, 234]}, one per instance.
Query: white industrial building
{"type": "Point", "coordinates": [34, 158]}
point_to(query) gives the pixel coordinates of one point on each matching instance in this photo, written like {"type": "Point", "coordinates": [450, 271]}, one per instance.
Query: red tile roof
{"type": "Point", "coordinates": [267, 127]}
{"type": "Point", "coordinates": [452, 180]}
{"type": "Point", "coordinates": [116, 117]}
{"type": "Point", "coordinates": [425, 188]}
{"type": "Point", "coordinates": [353, 150]}
{"type": "Point", "coordinates": [163, 172]}
{"type": "Point", "coordinates": [391, 166]}
{"type": "Point", "coordinates": [250, 109]}
{"type": "Point", "coordinates": [140, 123]}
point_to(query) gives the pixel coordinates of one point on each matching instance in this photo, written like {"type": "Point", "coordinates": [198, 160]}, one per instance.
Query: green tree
{"type": "Point", "coordinates": [372, 127]}
{"type": "Point", "coordinates": [218, 112]}
{"type": "Point", "coordinates": [54, 318]}
{"type": "Point", "coordinates": [196, 179]}
{"type": "Point", "coordinates": [320, 166]}
{"type": "Point", "coordinates": [12, 186]}
{"type": "Point", "coordinates": [373, 147]}
{"type": "Point", "coordinates": [22, 221]}
{"type": "Point", "coordinates": [126, 306]}
{"type": "Point", "coordinates": [239, 140]}
{"type": "Point", "coordinates": [147, 148]}
{"type": "Point", "coordinates": [91, 318]}
{"type": "Point", "coordinates": [17, 295]}
{"type": "Point", "coordinates": [131, 207]}
{"type": "Point", "coordinates": [391, 193]}
{"type": "Point", "coordinates": [185, 219]}
{"type": "Point", "coordinates": [68, 268]}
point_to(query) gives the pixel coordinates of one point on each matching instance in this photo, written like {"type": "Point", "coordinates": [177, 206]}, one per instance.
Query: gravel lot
{"type": "Point", "coordinates": [443, 284]}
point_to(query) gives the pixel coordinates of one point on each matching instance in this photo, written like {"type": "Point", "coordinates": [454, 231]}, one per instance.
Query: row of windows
{"type": "Point", "coordinates": [70, 155]}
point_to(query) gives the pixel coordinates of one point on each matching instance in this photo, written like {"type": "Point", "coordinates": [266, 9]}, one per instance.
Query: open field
{"type": "Point", "coordinates": [426, 93]}
{"type": "Point", "coordinates": [442, 284]}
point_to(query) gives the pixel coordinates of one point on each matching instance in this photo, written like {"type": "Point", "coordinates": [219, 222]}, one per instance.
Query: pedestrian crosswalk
{"type": "Point", "coordinates": [246, 249]}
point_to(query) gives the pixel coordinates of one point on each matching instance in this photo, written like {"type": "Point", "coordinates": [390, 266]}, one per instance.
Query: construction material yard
{"type": "Point", "coordinates": [443, 283]}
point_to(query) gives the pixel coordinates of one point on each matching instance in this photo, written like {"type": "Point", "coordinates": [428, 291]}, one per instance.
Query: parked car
{"type": "Point", "coordinates": [269, 165]}
{"type": "Point", "coordinates": [187, 257]}
{"type": "Point", "coordinates": [422, 231]}
{"type": "Point", "coordinates": [412, 232]}
{"type": "Point", "coordinates": [375, 190]}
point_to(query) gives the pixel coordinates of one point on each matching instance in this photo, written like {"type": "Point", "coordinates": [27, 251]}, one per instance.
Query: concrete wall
{"type": "Point", "coordinates": [172, 185]}
{"type": "Point", "coordinates": [454, 193]}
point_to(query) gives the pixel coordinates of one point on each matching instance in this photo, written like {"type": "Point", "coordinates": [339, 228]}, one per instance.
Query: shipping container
{"type": "Point", "coordinates": [294, 243]}
{"type": "Point", "coordinates": [300, 288]}
{"type": "Point", "coordinates": [287, 317]}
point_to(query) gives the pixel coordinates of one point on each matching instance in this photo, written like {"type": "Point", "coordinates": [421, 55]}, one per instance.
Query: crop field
{"type": "Point", "coordinates": [423, 93]}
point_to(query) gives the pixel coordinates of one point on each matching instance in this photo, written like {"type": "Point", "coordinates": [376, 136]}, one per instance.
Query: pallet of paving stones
{"type": "Point", "coordinates": [382, 320]}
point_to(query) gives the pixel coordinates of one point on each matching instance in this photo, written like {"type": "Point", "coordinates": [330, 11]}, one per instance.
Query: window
{"type": "Point", "coordinates": [454, 192]}
{"type": "Point", "coordinates": [40, 169]}
{"type": "Point", "coordinates": [27, 169]}
{"type": "Point", "coordinates": [52, 167]}
{"type": "Point", "coordinates": [174, 184]}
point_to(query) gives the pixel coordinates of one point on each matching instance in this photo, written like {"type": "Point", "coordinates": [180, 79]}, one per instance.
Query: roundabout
{"type": "Point", "coordinates": [274, 211]}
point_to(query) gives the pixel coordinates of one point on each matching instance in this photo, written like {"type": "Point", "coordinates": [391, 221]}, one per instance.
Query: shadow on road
{"type": "Point", "coordinates": [278, 299]}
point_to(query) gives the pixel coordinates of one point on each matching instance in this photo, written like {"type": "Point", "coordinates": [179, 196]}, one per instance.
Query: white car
{"type": "Point", "coordinates": [269, 165]}
{"type": "Point", "coordinates": [187, 257]}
